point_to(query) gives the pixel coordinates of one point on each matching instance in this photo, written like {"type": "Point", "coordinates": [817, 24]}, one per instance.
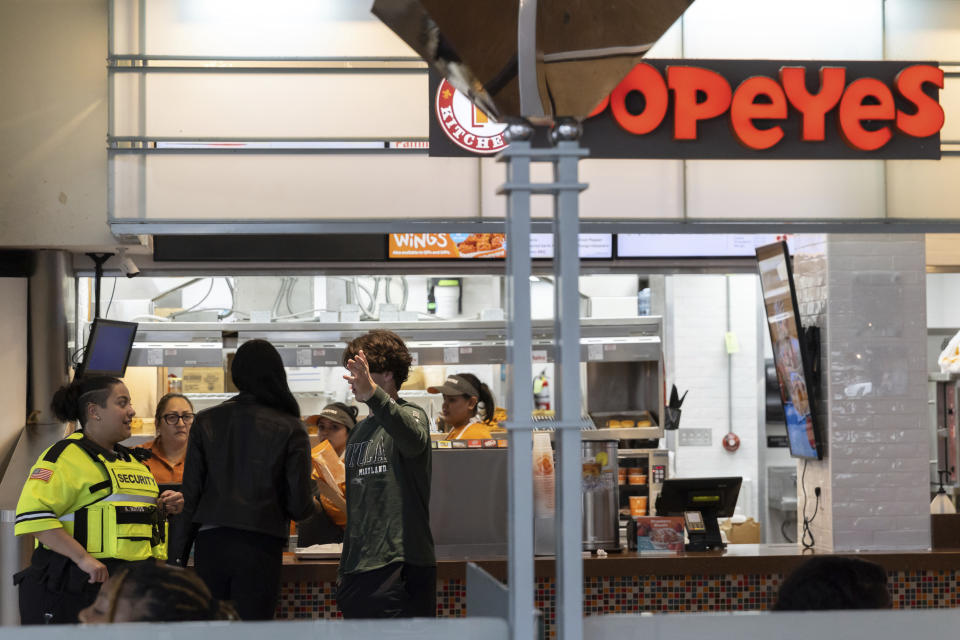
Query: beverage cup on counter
{"type": "Point", "coordinates": [638, 505]}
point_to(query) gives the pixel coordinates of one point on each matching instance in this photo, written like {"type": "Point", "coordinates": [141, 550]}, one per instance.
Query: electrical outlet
{"type": "Point", "coordinates": [694, 437]}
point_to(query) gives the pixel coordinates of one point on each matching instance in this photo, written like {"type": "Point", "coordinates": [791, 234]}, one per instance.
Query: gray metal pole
{"type": "Point", "coordinates": [566, 268]}
{"type": "Point", "coordinates": [520, 400]}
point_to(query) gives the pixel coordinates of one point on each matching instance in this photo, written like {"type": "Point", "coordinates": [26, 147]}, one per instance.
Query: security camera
{"type": "Point", "coordinates": [128, 267]}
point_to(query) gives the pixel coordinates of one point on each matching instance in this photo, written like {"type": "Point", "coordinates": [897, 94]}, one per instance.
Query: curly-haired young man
{"type": "Point", "coordinates": [388, 568]}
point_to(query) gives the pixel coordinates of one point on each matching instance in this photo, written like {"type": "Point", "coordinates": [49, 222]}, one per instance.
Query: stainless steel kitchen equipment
{"type": "Point", "coordinates": [601, 526]}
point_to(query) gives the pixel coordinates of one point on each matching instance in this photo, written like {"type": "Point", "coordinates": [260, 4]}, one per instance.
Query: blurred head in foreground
{"type": "Point", "coordinates": [151, 592]}
{"type": "Point", "coordinates": [834, 582]}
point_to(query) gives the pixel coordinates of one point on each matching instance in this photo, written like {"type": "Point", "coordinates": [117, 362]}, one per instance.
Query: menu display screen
{"type": "Point", "coordinates": [592, 245]}
{"type": "Point", "coordinates": [470, 246]}
{"type": "Point", "coordinates": [420, 246]}
{"type": "Point", "coordinates": [691, 245]}
{"type": "Point", "coordinates": [783, 321]}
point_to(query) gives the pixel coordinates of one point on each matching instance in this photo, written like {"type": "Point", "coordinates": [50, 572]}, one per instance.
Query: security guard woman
{"type": "Point", "coordinates": [90, 504]}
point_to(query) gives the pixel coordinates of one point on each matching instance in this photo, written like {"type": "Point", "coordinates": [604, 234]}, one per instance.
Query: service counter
{"type": "Point", "coordinates": [744, 577]}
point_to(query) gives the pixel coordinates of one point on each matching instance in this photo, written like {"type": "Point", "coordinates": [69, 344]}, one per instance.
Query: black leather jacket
{"type": "Point", "coordinates": [247, 467]}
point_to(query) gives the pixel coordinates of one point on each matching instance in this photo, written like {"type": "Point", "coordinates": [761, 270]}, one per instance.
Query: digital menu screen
{"type": "Point", "coordinates": [424, 246]}
{"type": "Point", "coordinates": [592, 245]}
{"type": "Point", "coordinates": [779, 301]}
{"type": "Point", "coordinates": [470, 246]}
{"type": "Point", "coordinates": [691, 245]}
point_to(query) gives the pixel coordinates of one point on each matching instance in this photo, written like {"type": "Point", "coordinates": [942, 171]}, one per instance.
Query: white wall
{"type": "Point", "coordinates": [13, 362]}
{"type": "Point", "coordinates": [698, 363]}
{"type": "Point", "coordinates": [943, 303]}
{"type": "Point", "coordinates": [53, 120]}
{"type": "Point", "coordinates": [866, 295]}
{"type": "Point", "coordinates": [53, 163]}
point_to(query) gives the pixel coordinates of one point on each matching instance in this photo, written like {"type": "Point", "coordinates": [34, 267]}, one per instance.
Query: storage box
{"type": "Point", "coordinates": [659, 534]}
{"type": "Point", "coordinates": [203, 380]}
{"type": "Point", "coordinates": [945, 530]}
{"type": "Point", "coordinates": [746, 532]}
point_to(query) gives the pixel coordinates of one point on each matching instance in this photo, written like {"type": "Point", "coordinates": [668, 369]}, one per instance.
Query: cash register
{"type": "Point", "coordinates": [700, 501]}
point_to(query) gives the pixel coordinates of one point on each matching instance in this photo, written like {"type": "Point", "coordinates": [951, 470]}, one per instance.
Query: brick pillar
{"type": "Point", "coordinates": [867, 295]}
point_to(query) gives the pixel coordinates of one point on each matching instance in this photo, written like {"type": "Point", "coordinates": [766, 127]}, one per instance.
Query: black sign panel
{"type": "Point", "coordinates": [716, 137]}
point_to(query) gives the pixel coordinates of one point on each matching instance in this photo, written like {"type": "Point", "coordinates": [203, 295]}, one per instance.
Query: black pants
{"type": "Point", "coordinates": [242, 567]}
{"type": "Point", "coordinates": [398, 590]}
{"type": "Point", "coordinates": [53, 590]}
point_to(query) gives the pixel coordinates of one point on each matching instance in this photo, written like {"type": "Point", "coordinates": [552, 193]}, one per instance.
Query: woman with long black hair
{"type": "Point", "coordinates": [247, 474]}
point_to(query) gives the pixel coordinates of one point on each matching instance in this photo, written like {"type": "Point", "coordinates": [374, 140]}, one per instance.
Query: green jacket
{"type": "Point", "coordinates": [388, 488]}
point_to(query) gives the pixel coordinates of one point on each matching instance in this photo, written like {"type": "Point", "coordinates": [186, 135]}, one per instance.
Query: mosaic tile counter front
{"type": "Point", "coordinates": [920, 589]}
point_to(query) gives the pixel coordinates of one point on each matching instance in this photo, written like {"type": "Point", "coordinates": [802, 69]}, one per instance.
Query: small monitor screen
{"type": "Point", "coordinates": [780, 303]}
{"type": "Point", "coordinates": [108, 348]}
{"type": "Point", "coordinates": [713, 496]}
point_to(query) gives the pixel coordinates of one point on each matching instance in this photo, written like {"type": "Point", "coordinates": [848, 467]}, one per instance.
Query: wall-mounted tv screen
{"type": "Point", "coordinates": [790, 358]}
{"type": "Point", "coordinates": [108, 348]}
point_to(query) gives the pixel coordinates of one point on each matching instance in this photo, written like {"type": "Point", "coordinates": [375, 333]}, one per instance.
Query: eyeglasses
{"type": "Point", "coordinates": [173, 418]}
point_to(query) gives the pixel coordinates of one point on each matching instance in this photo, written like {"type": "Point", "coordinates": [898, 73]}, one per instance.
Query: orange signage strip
{"type": "Point", "coordinates": [447, 245]}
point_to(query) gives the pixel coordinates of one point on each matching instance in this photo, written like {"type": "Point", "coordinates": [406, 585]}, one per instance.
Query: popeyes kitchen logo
{"type": "Point", "coordinates": [467, 126]}
{"type": "Point", "coordinates": [767, 109]}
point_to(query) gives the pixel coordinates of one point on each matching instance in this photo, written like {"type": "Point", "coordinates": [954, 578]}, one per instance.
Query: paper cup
{"type": "Point", "coordinates": [638, 505]}
{"type": "Point", "coordinates": [637, 478]}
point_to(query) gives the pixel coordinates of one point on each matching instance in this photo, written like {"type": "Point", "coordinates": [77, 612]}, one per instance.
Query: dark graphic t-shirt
{"type": "Point", "coordinates": [388, 488]}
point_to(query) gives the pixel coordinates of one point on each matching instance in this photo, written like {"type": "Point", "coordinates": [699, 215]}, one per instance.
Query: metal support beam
{"type": "Point", "coordinates": [520, 401]}
{"type": "Point", "coordinates": [568, 526]}
{"type": "Point", "coordinates": [566, 267]}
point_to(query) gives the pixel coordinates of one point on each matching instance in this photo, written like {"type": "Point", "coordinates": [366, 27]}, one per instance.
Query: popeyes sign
{"type": "Point", "coordinates": [727, 109]}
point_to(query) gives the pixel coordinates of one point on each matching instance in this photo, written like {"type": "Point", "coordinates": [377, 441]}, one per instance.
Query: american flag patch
{"type": "Point", "coordinates": [41, 474]}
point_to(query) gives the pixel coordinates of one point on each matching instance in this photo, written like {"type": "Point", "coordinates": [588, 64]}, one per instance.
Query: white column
{"type": "Point", "coordinates": [867, 294]}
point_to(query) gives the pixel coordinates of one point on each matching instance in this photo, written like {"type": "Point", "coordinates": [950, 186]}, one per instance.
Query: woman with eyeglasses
{"type": "Point", "coordinates": [173, 420]}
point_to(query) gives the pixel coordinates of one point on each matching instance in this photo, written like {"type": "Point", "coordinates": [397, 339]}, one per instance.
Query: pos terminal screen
{"type": "Point", "coordinates": [108, 348]}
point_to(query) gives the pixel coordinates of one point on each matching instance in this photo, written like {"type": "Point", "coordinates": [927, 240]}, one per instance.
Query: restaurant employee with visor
{"type": "Point", "coordinates": [464, 396]}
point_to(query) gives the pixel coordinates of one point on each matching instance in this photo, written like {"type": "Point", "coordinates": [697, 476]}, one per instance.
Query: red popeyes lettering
{"type": "Point", "coordinates": [687, 83]}
{"type": "Point", "coordinates": [853, 112]}
{"type": "Point", "coordinates": [813, 106]}
{"type": "Point", "coordinates": [744, 110]}
{"type": "Point", "coordinates": [648, 81]}
{"type": "Point", "coordinates": [701, 94]}
{"type": "Point", "coordinates": [929, 117]}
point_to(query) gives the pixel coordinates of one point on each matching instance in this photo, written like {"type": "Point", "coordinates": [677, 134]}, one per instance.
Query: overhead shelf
{"type": "Point", "coordinates": [314, 344]}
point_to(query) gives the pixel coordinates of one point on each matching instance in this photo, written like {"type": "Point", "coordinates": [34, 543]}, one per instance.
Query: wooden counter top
{"type": "Point", "coordinates": [736, 559]}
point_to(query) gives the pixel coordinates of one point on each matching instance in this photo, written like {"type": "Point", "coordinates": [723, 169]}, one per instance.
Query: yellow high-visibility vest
{"type": "Point", "coordinates": [106, 501]}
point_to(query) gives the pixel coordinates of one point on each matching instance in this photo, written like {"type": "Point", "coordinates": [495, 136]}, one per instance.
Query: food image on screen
{"type": "Point", "coordinates": [480, 243]}
{"type": "Point", "coordinates": [779, 301]}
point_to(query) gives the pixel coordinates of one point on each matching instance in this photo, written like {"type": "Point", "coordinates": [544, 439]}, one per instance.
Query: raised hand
{"type": "Point", "coordinates": [361, 382]}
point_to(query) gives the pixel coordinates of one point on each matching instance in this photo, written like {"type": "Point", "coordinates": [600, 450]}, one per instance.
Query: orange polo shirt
{"type": "Point", "coordinates": [163, 470]}
{"type": "Point", "coordinates": [472, 431]}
